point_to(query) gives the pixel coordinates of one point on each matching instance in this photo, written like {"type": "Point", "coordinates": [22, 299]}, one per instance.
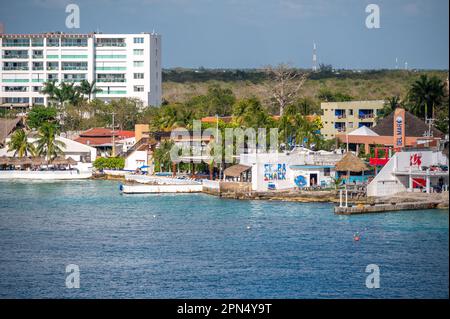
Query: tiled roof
{"type": "Point", "coordinates": [106, 132]}
{"type": "Point", "coordinates": [414, 126]}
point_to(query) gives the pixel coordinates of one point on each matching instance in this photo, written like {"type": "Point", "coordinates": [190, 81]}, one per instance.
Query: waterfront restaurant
{"type": "Point", "coordinates": [75, 156]}
{"type": "Point", "coordinates": [397, 130]}
{"type": "Point", "coordinates": [412, 170]}
{"type": "Point", "coordinates": [300, 168]}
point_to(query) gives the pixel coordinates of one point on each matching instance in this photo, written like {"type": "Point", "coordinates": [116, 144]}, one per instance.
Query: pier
{"type": "Point", "coordinates": [380, 208]}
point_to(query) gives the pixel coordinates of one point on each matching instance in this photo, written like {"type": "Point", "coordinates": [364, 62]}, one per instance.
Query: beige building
{"type": "Point", "coordinates": [344, 117]}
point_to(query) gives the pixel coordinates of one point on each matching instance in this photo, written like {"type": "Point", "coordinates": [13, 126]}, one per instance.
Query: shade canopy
{"type": "Point", "coordinates": [71, 161]}
{"type": "Point", "coordinates": [351, 163]}
{"type": "Point", "coordinates": [236, 170]}
{"type": "Point", "coordinates": [38, 161]}
{"type": "Point", "coordinates": [14, 161]}
{"type": "Point", "coordinates": [4, 160]}
{"type": "Point", "coordinates": [24, 161]}
{"type": "Point", "coordinates": [59, 161]}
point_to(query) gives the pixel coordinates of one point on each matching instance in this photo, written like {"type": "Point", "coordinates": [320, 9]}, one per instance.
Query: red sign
{"type": "Point", "coordinates": [415, 160]}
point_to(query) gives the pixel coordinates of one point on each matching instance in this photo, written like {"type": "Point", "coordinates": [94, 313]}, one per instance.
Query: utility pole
{"type": "Point", "coordinates": [113, 137]}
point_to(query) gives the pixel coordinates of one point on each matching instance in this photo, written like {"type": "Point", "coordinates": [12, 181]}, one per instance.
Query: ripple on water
{"type": "Point", "coordinates": [199, 246]}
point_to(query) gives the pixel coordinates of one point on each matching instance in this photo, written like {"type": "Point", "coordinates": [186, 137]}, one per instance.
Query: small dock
{"type": "Point", "coordinates": [386, 207]}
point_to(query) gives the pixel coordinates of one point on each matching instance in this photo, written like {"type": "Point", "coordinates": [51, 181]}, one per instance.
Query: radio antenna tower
{"type": "Point", "coordinates": [314, 58]}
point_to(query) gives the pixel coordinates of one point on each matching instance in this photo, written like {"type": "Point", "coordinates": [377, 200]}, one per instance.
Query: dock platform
{"type": "Point", "coordinates": [386, 207]}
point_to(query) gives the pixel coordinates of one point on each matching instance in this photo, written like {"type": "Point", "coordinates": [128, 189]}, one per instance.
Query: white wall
{"type": "Point", "coordinates": [386, 183]}
{"type": "Point", "coordinates": [135, 159]}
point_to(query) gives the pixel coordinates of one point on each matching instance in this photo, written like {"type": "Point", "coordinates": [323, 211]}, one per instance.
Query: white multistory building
{"type": "Point", "coordinates": [123, 65]}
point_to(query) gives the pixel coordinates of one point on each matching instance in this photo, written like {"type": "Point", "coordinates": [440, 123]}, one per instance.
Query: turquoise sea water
{"type": "Point", "coordinates": [199, 246]}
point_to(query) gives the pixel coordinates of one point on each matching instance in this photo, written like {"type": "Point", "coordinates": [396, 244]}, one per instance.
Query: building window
{"type": "Point", "coordinates": [138, 76]}
{"type": "Point", "coordinates": [138, 51]}
{"type": "Point", "coordinates": [138, 40]}
{"type": "Point", "coordinates": [326, 171]}
{"type": "Point", "coordinates": [138, 63]}
{"type": "Point", "coordinates": [350, 124]}
{"type": "Point", "coordinates": [350, 112]}
{"type": "Point", "coordinates": [138, 88]}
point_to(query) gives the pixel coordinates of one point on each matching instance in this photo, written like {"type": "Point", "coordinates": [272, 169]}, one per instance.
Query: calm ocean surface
{"type": "Point", "coordinates": [199, 246]}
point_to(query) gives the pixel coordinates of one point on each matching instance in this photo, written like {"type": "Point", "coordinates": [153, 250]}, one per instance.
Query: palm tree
{"type": "Point", "coordinates": [50, 89]}
{"type": "Point", "coordinates": [20, 145]}
{"type": "Point", "coordinates": [389, 106]}
{"type": "Point", "coordinates": [88, 89]}
{"type": "Point", "coordinates": [47, 144]}
{"type": "Point", "coordinates": [425, 94]}
{"type": "Point", "coordinates": [162, 155]}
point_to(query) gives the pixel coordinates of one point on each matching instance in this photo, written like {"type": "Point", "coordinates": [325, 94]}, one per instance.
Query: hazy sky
{"type": "Point", "coordinates": [254, 33]}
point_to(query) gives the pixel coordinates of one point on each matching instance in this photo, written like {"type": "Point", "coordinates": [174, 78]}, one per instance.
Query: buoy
{"type": "Point", "coordinates": [356, 236]}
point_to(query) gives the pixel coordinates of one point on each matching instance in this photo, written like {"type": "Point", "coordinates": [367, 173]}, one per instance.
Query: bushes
{"type": "Point", "coordinates": [109, 163]}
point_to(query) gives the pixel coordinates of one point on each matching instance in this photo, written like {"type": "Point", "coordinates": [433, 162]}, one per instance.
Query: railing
{"type": "Point", "coordinates": [38, 56]}
{"type": "Point", "coordinates": [111, 56]}
{"type": "Point", "coordinates": [15, 56]}
{"type": "Point", "coordinates": [74, 68]}
{"type": "Point", "coordinates": [110, 80]}
{"type": "Point", "coordinates": [21, 89]}
{"type": "Point", "coordinates": [14, 80]}
{"type": "Point", "coordinates": [111, 68]}
{"type": "Point", "coordinates": [111, 44]}
{"type": "Point", "coordinates": [12, 68]}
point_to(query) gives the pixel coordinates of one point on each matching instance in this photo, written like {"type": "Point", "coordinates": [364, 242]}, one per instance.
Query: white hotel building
{"type": "Point", "coordinates": [123, 65]}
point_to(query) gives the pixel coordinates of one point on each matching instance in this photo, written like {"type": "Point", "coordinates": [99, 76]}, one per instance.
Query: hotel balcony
{"type": "Point", "coordinates": [110, 43]}
{"type": "Point", "coordinates": [15, 68]}
{"type": "Point", "coordinates": [340, 114]}
{"type": "Point", "coordinates": [15, 56]}
{"type": "Point", "coordinates": [366, 114]}
{"type": "Point", "coordinates": [340, 127]}
{"type": "Point", "coordinates": [111, 80]}
{"type": "Point", "coordinates": [38, 56]}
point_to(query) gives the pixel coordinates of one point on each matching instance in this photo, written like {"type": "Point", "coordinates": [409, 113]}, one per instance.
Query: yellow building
{"type": "Point", "coordinates": [344, 117]}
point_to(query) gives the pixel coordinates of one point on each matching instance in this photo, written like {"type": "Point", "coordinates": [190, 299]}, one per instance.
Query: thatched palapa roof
{"type": "Point", "coordinates": [38, 161]}
{"type": "Point", "coordinates": [4, 160]}
{"type": "Point", "coordinates": [236, 170]}
{"type": "Point", "coordinates": [71, 161]}
{"type": "Point", "coordinates": [59, 161]}
{"type": "Point", "coordinates": [351, 163]}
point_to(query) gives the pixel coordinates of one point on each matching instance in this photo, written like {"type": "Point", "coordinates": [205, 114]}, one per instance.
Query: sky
{"type": "Point", "coordinates": [256, 33]}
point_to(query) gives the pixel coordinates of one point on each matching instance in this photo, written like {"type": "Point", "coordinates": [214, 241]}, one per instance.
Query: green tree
{"type": "Point", "coordinates": [50, 89]}
{"type": "Point", "coordinates": [20, 145]}
{"type": "Point", "coordinates": [250, 113]}
{"type": "Point", "coordinates": [390, 104]}
{"type": "Point", "coordinates": [330, 96]}
{"type": "Point", "coordinates": [161, 156]}
{"type": "Point", "coordinates": [425, 95]}
{"type": "Point", "coordinates": [88, 89]}
{"type": "Point", "coordinates": [47, 143]}
{"type": "Point", "coordinates": [109, 163]}
{"type": "Point", "coordinates": [40, 115]}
